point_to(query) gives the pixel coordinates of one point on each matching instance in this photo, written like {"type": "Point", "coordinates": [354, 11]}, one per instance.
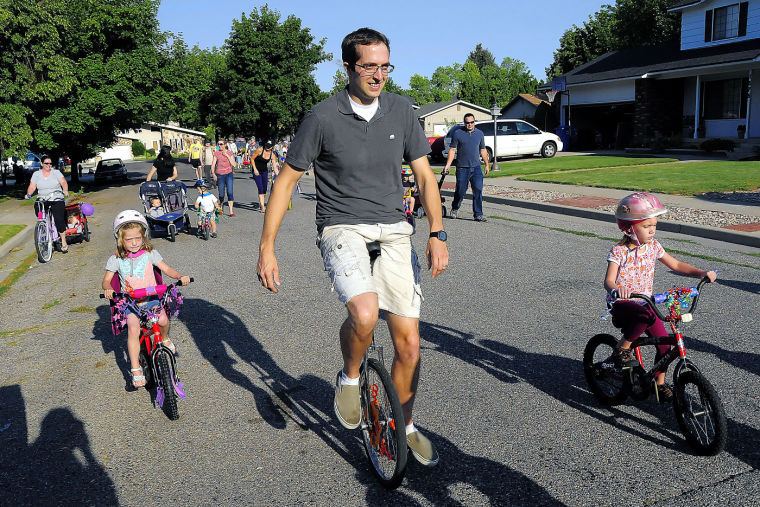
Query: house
{"type": "Point", "coordinates": [523, 106]}
{"type": "Point", "coordinates": [700, 86]}
{"type": "Point", "coordinates": [437, 117]}
{"type": "Point", "coordinates": [154, 135]}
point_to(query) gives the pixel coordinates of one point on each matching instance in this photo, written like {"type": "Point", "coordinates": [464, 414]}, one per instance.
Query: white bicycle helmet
{"type": "Point", "coordinates": [128, 216]}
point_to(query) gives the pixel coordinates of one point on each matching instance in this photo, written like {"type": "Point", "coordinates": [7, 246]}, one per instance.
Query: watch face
{"type": "Point", "coordinates": [441, 235]}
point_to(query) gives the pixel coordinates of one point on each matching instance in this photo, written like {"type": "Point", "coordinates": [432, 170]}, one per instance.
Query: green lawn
{"type": "Point", "coordinates": [687, 178]}
{"type": "Point", "coordinates": [570, 163]}
{"type": "Point", "coordinates": [8, 231]}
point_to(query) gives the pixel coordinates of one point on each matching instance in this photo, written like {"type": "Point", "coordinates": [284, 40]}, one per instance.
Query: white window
{"type": "Point", "coordinates": [726, 22]}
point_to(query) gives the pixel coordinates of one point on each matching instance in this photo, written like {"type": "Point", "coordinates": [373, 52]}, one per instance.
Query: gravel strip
{"type": "Point", "coordinates": [675, 214]}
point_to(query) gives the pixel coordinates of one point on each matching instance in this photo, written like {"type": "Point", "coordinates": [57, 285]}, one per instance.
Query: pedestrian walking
{"type": "Point", "coordinates": [356, 139]}
{"type": "Point", "coordinates": [222, 169]}
{"type": "Point", "coordinates": [208, 158]}
{"type": "Point", "coordinates": [194, 157]}
{"type": "Point", "coordinates": [163, 167]}
{"type": "Point", "coordinates": [469, 146]}
{"type": "Point", "coordinates": [261, 159]}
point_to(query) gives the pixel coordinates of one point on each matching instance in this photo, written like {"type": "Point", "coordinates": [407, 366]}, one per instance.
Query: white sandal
{"type": "Point", "coordinates": [138, 378]}
{"type": "Point", "coordinates": [170, 345]}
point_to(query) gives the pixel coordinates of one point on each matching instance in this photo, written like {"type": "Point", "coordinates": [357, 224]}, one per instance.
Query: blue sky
{"type": "Point", "coordinates": [423, 35]}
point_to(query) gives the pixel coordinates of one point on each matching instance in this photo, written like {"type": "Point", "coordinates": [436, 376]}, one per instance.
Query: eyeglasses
{"type": "Point", "coordinates": [371, 68]}
{"type": "Point", "coordinates": [469, 123]}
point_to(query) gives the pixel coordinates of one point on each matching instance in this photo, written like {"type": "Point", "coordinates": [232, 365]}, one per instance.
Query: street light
{"type": "Point", "coordinates": [495, 112]}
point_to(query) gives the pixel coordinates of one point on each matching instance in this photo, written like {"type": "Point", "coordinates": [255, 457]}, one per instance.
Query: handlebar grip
{"type": "Point", "coordinates": [102, 296]}
{"type": "Point", "coordinates": [192, 279]}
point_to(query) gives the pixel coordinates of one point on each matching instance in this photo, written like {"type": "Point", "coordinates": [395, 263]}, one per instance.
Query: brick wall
{"type": "Point", "coordinates": [658, 109]}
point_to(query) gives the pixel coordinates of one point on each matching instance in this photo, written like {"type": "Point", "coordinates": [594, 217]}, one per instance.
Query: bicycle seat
{"type": "Point", "coordinates": [373, 248]}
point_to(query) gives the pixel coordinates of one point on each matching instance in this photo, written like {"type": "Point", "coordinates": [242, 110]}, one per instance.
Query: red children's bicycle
{"type": "Point", "coordinates": [157, 361]}
{"type": "Point", "coordinates": [697, 406]}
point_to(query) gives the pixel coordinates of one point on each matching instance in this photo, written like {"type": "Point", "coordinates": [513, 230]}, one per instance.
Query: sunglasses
{"type": "Point", "coordinates": [469, 123]}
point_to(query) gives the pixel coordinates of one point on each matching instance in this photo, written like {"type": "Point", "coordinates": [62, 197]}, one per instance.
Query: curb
{"type": "Point", "coordinates": [714, 233]}
{"type": "Point", "coordinates": [16, 240]}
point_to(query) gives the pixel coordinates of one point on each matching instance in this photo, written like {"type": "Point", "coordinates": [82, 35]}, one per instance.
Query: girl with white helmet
{"type": "Point", "coordinates": [133, 261]}
{"type": "Point", "coordinates": [630, 268]}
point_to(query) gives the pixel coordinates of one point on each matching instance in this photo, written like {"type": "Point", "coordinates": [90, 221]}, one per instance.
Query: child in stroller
{"type": "Point", "coordinates": [77, 228]}
{"type": "Point", "coordinates": [412, 201]}
{"type": "Point", "coordinates": [172, 214]}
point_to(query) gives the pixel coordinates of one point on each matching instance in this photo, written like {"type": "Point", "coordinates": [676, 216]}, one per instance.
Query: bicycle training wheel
{"type": "Point", "coordinates": [604, 378]}
{"type": "Point", "coordinates": [165, 381]}
{"type": "Point", "coordinates": [43, 242]}
{"type": "Point", "coordinates": [699, 413]}
{"type": "Point", "coordinates": [383, 426]}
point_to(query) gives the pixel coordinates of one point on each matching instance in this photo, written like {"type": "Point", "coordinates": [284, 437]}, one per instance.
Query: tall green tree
{"type": "Point", "coordinates": [481, 57]}
{"type": "Point", "coordinates": [627, 24]}
{"type": "Point", "coordinates": [268, 84]}
{"type": "Point", "coordinates": [445, 82]}
{"type": "Point", "coordinates": [340, 80]}
{"type": "Point", "coordinates": [75, 72]}
{"type": "Point", "coordinates": [420, 89]}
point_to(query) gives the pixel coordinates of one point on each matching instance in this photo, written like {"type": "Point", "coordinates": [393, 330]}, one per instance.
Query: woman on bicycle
{"type": "Point", "coordinates": [134, 260]}
{"type": "Point", "coordinates": [52, 189]}
{"type": "Point", "coordinates": [163, 167]}
{"type": "Point", "coordinates": [630, 268]}
{"type": "Point", "coordinates": [261, 159]}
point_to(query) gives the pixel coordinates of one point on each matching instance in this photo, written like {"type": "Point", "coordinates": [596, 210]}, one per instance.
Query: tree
{"type": "Point", "coordinates": [445, 82]}
{"type": "Point", "coordinates": [340, 80]}
{"type": "Point", "coordinates": [420, 90]}
{"type": "Point", "coordinates": [481, 57]}
{"type": "Point", "coordinates": [392, 87]}
{"type": "Point", "coordinates": [268, 84]}
{"type": "Point", "coordinates": [495, 84]}
{"type": "Point", "coordinates": [76, 72]}
{"type": "Point", "coordinates": [627, 24]}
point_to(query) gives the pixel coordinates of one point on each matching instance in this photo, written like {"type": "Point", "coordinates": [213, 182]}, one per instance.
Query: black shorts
{"type": "Point", "coordinates": [195, 162]}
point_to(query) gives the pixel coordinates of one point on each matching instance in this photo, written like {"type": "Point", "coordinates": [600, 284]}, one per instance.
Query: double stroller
{"type": "Point", "coordinates": [172, 216]}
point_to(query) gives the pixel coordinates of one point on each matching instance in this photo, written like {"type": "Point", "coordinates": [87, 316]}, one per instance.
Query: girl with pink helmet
{"type": "Point", "coordinates": [133, 261]}
{"type": "Point", "coordinates": [630, 268]}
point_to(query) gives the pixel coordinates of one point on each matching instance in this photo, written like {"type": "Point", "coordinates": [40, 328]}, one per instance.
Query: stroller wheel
{"type": "Point", "coordinates": [171, 232]}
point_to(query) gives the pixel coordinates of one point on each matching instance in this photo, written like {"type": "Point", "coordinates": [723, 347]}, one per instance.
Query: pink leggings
{"type": "Point", "coordinates": [635, 319]}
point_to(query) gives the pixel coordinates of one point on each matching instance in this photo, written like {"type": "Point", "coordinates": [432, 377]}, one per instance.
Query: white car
{"type": "Point", "coordinates": [516, 138]}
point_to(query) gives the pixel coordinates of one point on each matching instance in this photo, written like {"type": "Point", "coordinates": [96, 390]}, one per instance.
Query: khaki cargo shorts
{"type": "Point", "coordinates": [395, 276]}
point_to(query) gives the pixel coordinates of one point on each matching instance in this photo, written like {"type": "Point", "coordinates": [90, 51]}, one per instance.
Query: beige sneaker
{"type": "Point", "coordinates": [422, 449]}
{"type": "Point", "coordinates": [346, 404]}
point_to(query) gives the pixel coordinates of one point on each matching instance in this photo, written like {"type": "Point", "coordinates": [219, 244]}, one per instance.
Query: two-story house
{"type": "Point", "coordinates": [700, 86]}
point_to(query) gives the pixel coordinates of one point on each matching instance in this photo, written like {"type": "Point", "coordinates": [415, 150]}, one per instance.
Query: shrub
{"type": "Point", "coordinates": [138, 148]}
{"type": "Point", "coordinates": [711, 145]}
{"type": "Point", "coordinates": [151, 152]}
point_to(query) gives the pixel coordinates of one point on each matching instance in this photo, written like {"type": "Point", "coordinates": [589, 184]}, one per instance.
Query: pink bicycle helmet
{"type": "Point", "coordinates": [636, 208]}
{"type": "Point", "coordinates": [128, 216]}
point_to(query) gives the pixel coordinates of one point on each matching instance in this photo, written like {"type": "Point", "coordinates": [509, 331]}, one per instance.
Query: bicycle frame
{"type": "Point", "coordinates": [44, 216]}
{"type": "Point", "coordinates": [150, 337]}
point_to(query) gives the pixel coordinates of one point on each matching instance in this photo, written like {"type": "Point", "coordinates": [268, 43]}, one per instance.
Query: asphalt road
{"type": "Point", "coordinates": [502, 393]}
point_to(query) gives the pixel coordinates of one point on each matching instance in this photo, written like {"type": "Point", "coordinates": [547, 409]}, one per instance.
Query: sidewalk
{"type": "Point", "coordinates": [732, 221]}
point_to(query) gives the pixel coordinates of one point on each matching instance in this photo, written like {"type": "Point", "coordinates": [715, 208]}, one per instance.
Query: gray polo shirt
{"type": "Point", "coordinates": [357, 164]}
{"type": "Point", "coordinates": [468, 146]}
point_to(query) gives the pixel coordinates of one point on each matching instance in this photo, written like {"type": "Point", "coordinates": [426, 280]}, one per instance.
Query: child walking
{"type": "Point", "coordinates": [630, 268]}
{"type": "Point", "coordinates": [205, 204]}
{"type": "Point", "coordinates": [133, 261]}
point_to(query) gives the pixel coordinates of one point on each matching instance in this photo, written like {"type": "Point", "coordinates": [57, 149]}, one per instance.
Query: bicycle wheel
{"type": "Point", "coordinates": [699, 413]}
{"type": "Point", "coordinates": [43, 242]}
{"type": "Point", "coordinates": [604, 378]}
{"type": "Point", "coordinates": [165, 381]}
{"type": "Point", "coordinates": [383, 427]}
{"type": "Point", "coordinates": [206, 231]}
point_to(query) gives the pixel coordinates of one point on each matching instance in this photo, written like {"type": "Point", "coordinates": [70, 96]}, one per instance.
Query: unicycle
{"type": "Point", "coordinates": [382, 419]}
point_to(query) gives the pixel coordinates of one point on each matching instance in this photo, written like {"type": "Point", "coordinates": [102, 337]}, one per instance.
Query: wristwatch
{"type": "Point", "coordinates": [441, 235]}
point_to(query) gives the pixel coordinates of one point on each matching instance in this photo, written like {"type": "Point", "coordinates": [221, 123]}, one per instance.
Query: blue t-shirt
{"type": "Point", "coordinates": [468, 146]}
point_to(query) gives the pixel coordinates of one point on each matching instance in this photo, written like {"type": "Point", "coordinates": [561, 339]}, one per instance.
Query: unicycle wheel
{"type": "Point", "coordinates": [383, 427]}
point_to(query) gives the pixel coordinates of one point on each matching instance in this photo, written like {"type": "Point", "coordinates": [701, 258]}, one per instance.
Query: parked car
{"type": "Point", "coordinates": [32, 162]}
{"type": "Point", "coordinates": [110, 169]}
{"type": "Point", "coordinates": [516, 138]}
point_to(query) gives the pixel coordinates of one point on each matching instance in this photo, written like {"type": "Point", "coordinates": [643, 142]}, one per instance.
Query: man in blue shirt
{"type": "Point", "coordinates": [469, 146]}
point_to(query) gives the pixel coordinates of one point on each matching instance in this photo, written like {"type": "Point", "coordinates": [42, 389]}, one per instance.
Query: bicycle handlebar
{"type": "Point", "coordinates": [157, 290]}
{"type": "Point", "coordinates": [652, 301]}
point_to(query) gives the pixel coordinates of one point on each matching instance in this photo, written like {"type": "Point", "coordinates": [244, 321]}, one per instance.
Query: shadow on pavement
{"type": "Point", "coordinates": [751, 287]}
{"type": "Point", "coordinates": [559, 377]}
{"type": "Point", "coordinates": [101, 330]}
{"type": "Point", "coordinates": [58, 468]}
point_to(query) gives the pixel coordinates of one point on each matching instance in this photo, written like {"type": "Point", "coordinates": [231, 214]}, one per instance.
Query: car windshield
{"type": "Point", "coordinates": [31, 156]}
